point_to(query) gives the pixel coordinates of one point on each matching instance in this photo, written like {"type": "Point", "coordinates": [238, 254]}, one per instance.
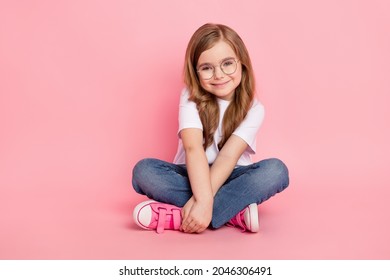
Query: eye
{"type": "Point", "coordinates": [228, 63]}
{"type": "Point", "coordinates": [206, 67]}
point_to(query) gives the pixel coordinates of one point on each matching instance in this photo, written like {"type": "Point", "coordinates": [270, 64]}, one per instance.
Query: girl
{"type": "Point", "coordinates": [212, 180]}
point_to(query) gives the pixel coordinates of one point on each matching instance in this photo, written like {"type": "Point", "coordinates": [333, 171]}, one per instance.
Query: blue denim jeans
{"type": "Point", "coordinates": [168, 183]}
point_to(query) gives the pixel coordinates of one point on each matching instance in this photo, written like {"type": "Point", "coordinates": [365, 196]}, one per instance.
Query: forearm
{"type": "Point", "coordinates": [226, 161]}
{"type": "Point", "coordinates": [220, 171]}
{"type": "Point", "coordinates": [199, 174]}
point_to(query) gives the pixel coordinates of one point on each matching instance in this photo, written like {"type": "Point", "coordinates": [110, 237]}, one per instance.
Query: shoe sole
{"type": "Point", "coordinates": [137, 210]}
{"type": "Point", "coordinates": [254, 217]}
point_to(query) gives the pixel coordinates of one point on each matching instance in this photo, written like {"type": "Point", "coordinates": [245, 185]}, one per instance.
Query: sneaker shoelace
{"type": "Point", "coordinates": [167, 217]}
{"type": "Point", "coordinates": [238, 221]}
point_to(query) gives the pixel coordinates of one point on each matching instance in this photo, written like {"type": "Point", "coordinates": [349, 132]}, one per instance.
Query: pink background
{"type": "Point", "coordinates": [90, 87]}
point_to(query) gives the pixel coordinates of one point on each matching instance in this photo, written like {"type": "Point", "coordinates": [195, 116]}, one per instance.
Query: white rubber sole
{"type": "Point", "coordinates": [251, 217]}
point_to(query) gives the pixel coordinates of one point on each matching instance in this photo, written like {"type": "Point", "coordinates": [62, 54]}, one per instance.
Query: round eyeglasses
{"type": "Point", "coordinates": [228, 66]}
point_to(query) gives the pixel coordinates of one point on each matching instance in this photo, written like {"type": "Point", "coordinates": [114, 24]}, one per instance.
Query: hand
{"type": "Point", "coordinates": [196, 215]}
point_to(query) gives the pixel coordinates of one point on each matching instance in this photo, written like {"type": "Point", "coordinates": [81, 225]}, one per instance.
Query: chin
{"type": "Point", "coordinates": [227, 96]}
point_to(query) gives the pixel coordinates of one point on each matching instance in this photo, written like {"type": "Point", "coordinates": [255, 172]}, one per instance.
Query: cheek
{"type": "Point", "coordinates": [203, 84]}
{"type": "Point", "coordinates": [238, 77]}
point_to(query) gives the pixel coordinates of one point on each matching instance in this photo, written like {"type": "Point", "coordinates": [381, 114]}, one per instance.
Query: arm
{"type": "Point", "coordinates": [206, 179]}
{"type": "Point", "coordinates": [197, 212]}
{"type": "Point", "coordinates": [244, 137]}
{"type": "Point", "coordinates": [226, 161]}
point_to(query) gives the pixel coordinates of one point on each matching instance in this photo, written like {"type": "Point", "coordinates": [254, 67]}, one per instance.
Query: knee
{"type": "Point", "coordinates": [142, 166]}
{"type": "Point", "coordinates": [277, 172]}
{"type": "Point", "coordinates": [269, 177]}
{"type": "Point", "coordinates": [141, 172]}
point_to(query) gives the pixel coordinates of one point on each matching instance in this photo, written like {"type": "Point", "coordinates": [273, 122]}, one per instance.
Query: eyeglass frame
{"type": "Point", "coordinates": [220, 67]}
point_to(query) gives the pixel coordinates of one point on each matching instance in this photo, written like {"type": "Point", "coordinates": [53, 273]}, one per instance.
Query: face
{"type": "Point", "coordinates": [221, 85]}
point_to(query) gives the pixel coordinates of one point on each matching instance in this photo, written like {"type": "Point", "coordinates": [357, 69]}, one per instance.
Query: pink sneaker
{"type": "Point", "coordinates": [156, 215]}
{"type": "Point", "coordinates": [247, 219]}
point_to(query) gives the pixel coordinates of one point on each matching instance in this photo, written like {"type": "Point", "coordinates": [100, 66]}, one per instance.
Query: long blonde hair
{"type": "Point", "coordinates": [203, 39]}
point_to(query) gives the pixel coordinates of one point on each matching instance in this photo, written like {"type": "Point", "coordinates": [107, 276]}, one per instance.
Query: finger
{"type": "Point", "coordinates": [200, 229]}
{"type": "Point", "coordinates": [193, 226]}
{"type": "Point", "coordinates": [184, 224]}
{"type": "Point", "coordinates": [184, 214]}
{"type": "Point", "coordinates": [184, 219]}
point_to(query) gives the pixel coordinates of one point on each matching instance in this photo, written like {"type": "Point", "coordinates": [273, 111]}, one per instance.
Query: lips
{"type": "Point", "coordinates": [220, 84]}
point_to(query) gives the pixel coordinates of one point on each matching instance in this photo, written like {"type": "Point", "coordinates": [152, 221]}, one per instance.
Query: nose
{"type": "Point", "coordinates": [218, 73]}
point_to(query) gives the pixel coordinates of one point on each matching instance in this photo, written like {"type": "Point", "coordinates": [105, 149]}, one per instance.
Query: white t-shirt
{"type": "Point", "coordinates": [247, 130]}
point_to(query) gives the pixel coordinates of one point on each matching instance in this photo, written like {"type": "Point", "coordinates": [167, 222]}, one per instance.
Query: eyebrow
{"type": "Point", "coordinates": [222, 60]}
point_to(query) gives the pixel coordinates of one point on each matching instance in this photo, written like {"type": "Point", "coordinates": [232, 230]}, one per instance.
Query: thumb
{"type": "Point", "coordinates": [184, 214]}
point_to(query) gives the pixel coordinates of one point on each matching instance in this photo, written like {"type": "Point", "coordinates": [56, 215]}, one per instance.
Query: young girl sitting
{"type": "Point", "coordinates": [212, 181]}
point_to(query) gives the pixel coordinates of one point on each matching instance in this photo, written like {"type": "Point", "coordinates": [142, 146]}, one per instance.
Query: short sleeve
{"type": "Point", "coordinates": [188, 113]}
{"type": "Point", "coordinates": [249, 127]}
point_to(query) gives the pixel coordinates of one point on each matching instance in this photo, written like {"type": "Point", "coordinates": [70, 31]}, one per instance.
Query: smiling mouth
{"type": "Point", "coordinates": [221, 84]}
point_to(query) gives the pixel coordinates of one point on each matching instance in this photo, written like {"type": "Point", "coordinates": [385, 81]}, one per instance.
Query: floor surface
{"type": "Point", "coordinates": [306, 221]}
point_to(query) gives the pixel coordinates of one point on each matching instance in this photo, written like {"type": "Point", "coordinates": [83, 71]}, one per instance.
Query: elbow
{"type": "Point", "coordinates": [190, 149]}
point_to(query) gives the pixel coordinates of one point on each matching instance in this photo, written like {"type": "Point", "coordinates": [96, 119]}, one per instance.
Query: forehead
{"type": "Point", "coordinates": [217, 53]}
